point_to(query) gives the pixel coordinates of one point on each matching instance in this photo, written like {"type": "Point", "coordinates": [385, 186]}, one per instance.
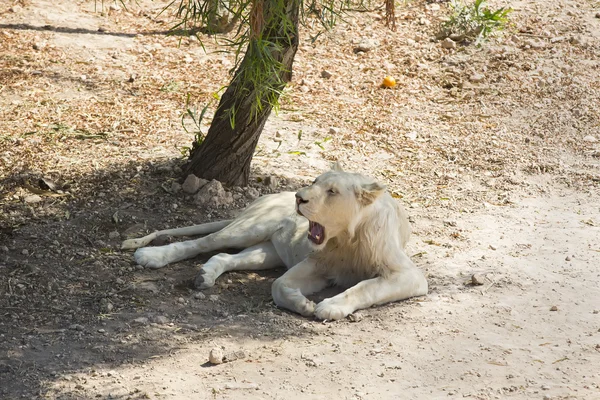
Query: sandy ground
{"type": "Point", "coordinates": [498, 180]}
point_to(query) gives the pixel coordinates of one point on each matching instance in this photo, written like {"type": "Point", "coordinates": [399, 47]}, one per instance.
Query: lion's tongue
{"type": "Point", "coordinates": [316, 232]}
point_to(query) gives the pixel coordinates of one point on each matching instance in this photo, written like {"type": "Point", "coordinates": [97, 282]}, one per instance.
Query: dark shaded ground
{"type": "Point", "coordinates": [70, 299]}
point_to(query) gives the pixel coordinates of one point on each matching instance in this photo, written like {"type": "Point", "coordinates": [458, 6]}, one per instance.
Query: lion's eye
{"type": "Point", "coordinates": [331, 191]}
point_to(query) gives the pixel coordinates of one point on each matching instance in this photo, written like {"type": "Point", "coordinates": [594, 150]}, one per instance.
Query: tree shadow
{"type": "Point", "coordinates": [103, 31]}
{"type": "Point", "coordinates": [70, 299]}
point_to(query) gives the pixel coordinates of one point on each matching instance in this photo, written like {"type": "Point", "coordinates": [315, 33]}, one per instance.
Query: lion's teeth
{"type": "Point", "coordinates": [317, 237]}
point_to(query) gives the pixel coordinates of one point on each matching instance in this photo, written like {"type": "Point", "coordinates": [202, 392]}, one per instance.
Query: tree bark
{"type": "Point", "coordinates": [226, 152]}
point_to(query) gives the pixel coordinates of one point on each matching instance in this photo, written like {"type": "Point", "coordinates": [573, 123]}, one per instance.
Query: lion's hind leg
{"type": "Point", "coordinates": [260, 256]}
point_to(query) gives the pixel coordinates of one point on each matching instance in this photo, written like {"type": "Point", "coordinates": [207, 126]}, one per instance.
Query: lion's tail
{"type": "Point", "coordinates": [202, 229]}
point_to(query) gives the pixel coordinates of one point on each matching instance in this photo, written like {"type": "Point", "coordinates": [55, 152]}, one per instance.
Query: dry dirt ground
{"type": "Point", "coordinates": [494, 150]}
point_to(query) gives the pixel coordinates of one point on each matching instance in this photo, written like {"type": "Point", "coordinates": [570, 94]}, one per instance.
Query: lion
{"type": "Point", "coordinates": [344, 229]}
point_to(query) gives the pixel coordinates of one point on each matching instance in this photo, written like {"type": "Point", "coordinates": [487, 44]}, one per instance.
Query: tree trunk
{"type": "Point", "coordinates": [226, 152]}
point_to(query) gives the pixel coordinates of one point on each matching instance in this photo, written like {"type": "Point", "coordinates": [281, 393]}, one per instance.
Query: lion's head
{"type": "Point", "coordinates": [334, 202]}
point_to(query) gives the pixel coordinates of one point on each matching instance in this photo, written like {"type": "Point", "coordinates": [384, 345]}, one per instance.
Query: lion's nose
{"type": "Point", "coordinates": [300, 200]}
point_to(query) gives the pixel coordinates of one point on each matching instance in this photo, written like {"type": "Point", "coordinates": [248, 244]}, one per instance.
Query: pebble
{"type": "Point", "coordinates": [39, 45]}
{"type": "Point", "coordinates": [141, 321]}
{"type": "Point", "coordinates": [477, 279]}
{"type": "Point", "coordinates": [101, 330]}
{"type": "Point", "coordinates": [76, 327]}
{"type": "Point", "coordinates": [567, 258]}
{"type": "Point", "coordinates": [366, 45]}
{"type": "Point", "coordinates": [590, 139]}
{"type": "Point", "coordinates": [535, 44]}
{"type": "Point", "coordinates": [553, 308]}
{"type": "Point", "coordinates": [252, 193]}
{"type": "Point", "coordinates": [547, 397]}
{"type": "Point", "coordinates": [216, 356]}
{"type": "Point", "coordinates": [181, 300]}
{"type": "Point", "coordinates": [477, 78]}
{"type": "Point", "coordinates": [545, 387]}
{"type": "Point", "coordinates": [175, 187]}
{"type": "Point", "coordinates": [161, 319]}
{"type": "Point", "coordinates": [199, 296]}
{"type": "Point", "coordinates": [598, 15]}
{"type": "Point", "coordinates": [192, 184]}
{"type": "Point", "coordinates": [16, 9]}
{"type": "Point", "coordinates": [448, 44]}
{"type": "Point", "coordinates": [34, 198]}
{"type": "Point", "coordinates": [213, 297]}
{"type": "Point", "coordinates": [326, 74]}
{"type": "Point", "coordinates": [25, 252]}
{"type": "Point", "coordinates": [114, 235]}
{"type": "Point", "coordinates": [492, 247]}
{"type": "Point", "coordinates": [4, 249]}
{"type": "Point", "coordinates": [334, 130]}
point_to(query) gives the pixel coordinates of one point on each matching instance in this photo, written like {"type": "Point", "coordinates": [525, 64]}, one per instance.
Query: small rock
{"type": "Point", "coordinates": [576, 40]}
{"type": "Point", "coordinates": [252, 193]}
{"type": "Point", "coordinates": [535, 44]}
{"type": "Point", "coordinates": [216, 356]}
{"type": "Point", "coordinates": [547, 397]}
{"type": "Point", "coordinates": [366, 45]}
{"type": "Point", "coordinates": [83, 77]}
{"type": "Point", "coordinates": [39, 45]}
{"type": "Point", "coordinates": [448, 44]}
{"type": "Point", "coordinates": [149, 286]}
{"type": "Point", "coordinates": [181, 300]}
{"type": "Point", "coordinates": [477, 78]}
{"type": "Point", "coordinates": [449, 223]}
{"type": "Point", "coordinates": [213, 297]}
{"type": "Point", "coordinates": [545, 387]}
{"type": "Point", "coordinates": [25, 252]}
{"type": "Point", "coordinates": [141, 321]}
{"type": "Point", "coordinates": [119, 281]}
{"type": "Point", "coordinates": [108, 307]}
{"type": "Point", "coordinates": [236, 355]}
{"type": "Point", "coordinates": [590, 139]}
{"type": "Point", "coordinates": [101, 330]}
{"type": "Point", "coordinates": [553, 308]}
{"type": "Point", "coordinates": [175, 187]}
{"type": "Point", "coordinates": [598, 15]}
{"type": "Point", "coordinates": [114, 7]}
{"type": "Point", "coordinates": [4, 249]}
{"type": "Point", "coordinates": [567, 258]}
{"type": "Point", "coordinates": [492, 247]}
{"type": "Point", "coordinates": [199, 296]}
{"type": "Point", "coordinates": [326, 74]}
{"type": "Point", "coordinates": [114, 235]}
{"type": "Point", "coordinates": [213, 195]}
{"type": "Point", "coordinates": [192, 184]}
{"type": "Point", "coordinates": [132, 78]}
{"type": "Point", "coordinates": [76, 327]}
{"type": "Point", "coordinates": [334, 131]}
{"type": "Point", "coordinates": [271, 182]}
{"type": "Point", "coordinates": [477, 279]}
{"type": "Point", "coordinates": [31, 199]}
{"type": "Point", "coordinates": [160, 319]}
{"type": "Point", "coordinates": [17, 8]}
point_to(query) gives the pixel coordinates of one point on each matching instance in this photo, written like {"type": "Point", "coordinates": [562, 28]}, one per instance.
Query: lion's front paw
{"type": "Point", "coordinates": [332, 310]}
{"type": "Point", "coordinates": [150, 257]}
{"type": "Point", "coordinates": [204, 279]}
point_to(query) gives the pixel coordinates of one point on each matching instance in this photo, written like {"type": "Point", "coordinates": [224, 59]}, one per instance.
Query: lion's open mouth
{"type": "Point", "coordinates": [316, 232]}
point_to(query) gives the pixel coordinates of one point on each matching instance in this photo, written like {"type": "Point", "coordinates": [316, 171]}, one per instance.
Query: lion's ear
{"type": "Point", "coordinates": [369, 192]}
{"type": "Point", "coordinates": [337, 167]}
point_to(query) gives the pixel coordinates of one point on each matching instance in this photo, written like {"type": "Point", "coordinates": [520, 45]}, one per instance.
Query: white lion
{"type": "Point", "coordinates": [356, 238]}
